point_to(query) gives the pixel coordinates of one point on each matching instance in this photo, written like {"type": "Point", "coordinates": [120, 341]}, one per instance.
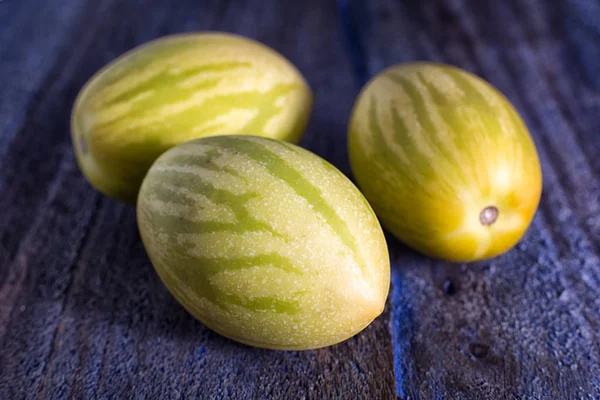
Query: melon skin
{"type": "Point", "coordinates": [264, 242]}
{"type": "Point", "coordinates": [440, 153]}
{"type": "Point", "coordinates": [177, 88]}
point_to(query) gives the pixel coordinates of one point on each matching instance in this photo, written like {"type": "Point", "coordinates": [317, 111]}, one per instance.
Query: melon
{"type": "Point", "coordinates": [179, 88]}
{"type": "Point", "coordinates": [264, 242]}
{"type": "Point", "coordinates": [445, 160]}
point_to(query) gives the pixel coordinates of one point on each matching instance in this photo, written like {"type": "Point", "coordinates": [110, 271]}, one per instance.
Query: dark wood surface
{"type": "Point", "coordinates": [83, 314]}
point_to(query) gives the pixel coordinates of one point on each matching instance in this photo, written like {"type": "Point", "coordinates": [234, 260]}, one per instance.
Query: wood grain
{"type": "Point", "coordinates": [83, 314]}
{"type": "Point", "coordinates": [524, 325]}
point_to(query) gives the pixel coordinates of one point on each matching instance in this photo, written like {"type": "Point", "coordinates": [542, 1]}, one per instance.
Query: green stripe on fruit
{"type": "Point", "coordinates": [179, 88]}
{"type": "Point", "coordinates": [300, 261]}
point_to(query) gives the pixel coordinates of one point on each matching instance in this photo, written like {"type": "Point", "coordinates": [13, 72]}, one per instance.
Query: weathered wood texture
{"type": "Point", "coordinates": [524, 325]}
{"type": "Point", "coordinates": [83, 315]}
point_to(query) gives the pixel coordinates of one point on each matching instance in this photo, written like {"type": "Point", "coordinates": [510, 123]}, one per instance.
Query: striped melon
{"type": "Point", "coordinates": [264, 242]}
{"type": "Point", "coordinates": [179, 88]}
{"type": "Point", "coordinates": [445, 160]}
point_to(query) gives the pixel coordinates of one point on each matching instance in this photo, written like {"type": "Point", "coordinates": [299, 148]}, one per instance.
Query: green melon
{"type": "Point", "coordinates": [179, 88]}
{"type": "Point", "coordinates": [264, 242]}
{"type": "Point", "coordinates": [445, 160]}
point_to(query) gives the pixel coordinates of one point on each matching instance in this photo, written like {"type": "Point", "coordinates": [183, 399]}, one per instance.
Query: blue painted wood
{"type": "Point", "coordinates": [524, 325]}
{"type": "Point", "coordinates": [83, 315]}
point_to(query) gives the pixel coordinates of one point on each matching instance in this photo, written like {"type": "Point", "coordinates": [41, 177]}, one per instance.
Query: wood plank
{"type": "Point", "coordinates": [82, 313]}
{"type": "Point", "coordinates": [29, 56]}
{"type": "Point", "coordinates": [85, 314]}
{"type": "Point", "coordinates": [524, 325]}
{"type": "Point", "coordinates": [36, 159]}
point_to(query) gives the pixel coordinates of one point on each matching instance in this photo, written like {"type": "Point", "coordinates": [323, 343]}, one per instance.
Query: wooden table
{"type": "Point", "coordinates": [83, 314]}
